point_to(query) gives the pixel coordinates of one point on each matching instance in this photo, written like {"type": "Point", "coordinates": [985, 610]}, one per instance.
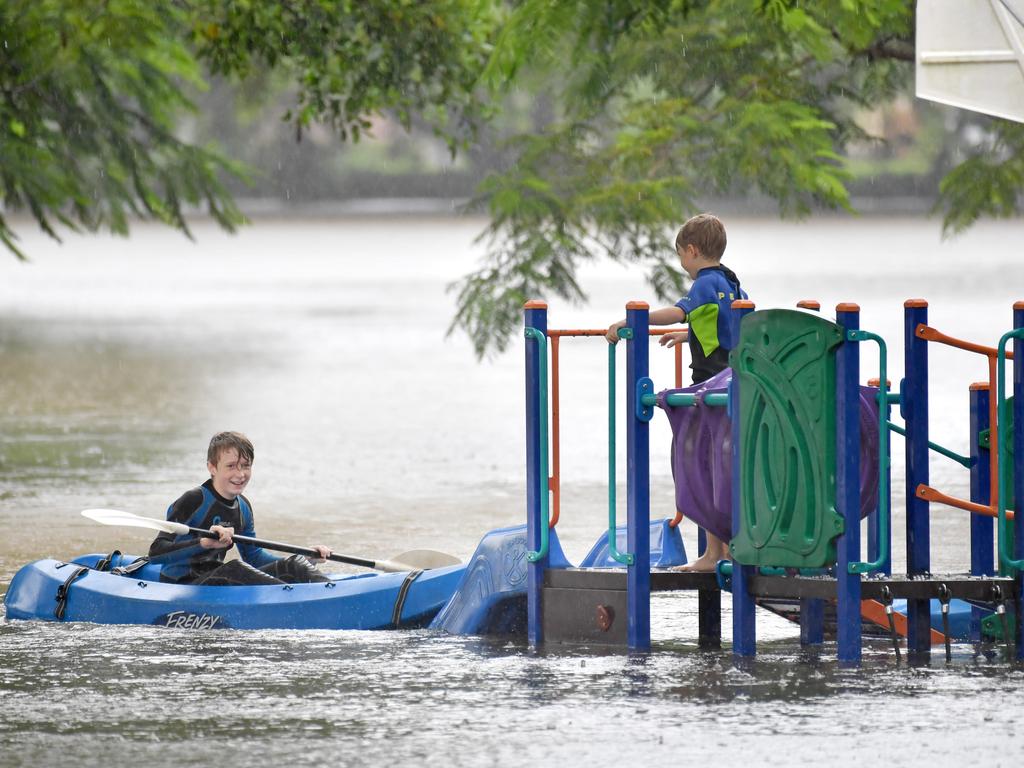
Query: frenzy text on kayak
{"type": "Point", "coordinates": [188, 620]}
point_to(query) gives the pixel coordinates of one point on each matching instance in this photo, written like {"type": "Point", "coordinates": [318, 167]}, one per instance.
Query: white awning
{"type": "Point", "coordinates": [970, 54]}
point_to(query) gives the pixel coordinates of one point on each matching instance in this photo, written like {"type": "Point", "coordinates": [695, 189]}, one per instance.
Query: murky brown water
{"type": "Point", "coordinates": [324, 341]}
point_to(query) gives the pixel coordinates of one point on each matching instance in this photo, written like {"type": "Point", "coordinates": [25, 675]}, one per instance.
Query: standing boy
{"type": "Point", "coordinates": [218, 505]}
{"type": "Point", "coordinates": [707, 308]}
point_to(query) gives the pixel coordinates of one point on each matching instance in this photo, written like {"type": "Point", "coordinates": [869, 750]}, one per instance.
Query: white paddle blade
{"type": "Point", "coordinates": [119, 517]}
{"type": "Point", "coordinates": [427, 558]}
{"type": "Point", "coordinates": [390, 566]}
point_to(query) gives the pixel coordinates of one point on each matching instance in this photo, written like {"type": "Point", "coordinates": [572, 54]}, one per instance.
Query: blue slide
{"type": "Point", "coordinates": [491, 597]}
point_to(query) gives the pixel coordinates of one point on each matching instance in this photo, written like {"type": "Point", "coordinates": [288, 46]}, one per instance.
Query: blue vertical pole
{"type": "Point", "coordinates": [812, 610]}
{"type": "Point", "coordinates": [1018, 471]}
{"type": "Point", "coordinates": [535, 315]}
{"type": "Point", "coordinates": [915, 414]}
{"type": "Point", "coordinates": [982, 561]}
{"type": "Point", "coordinates": [812, 621]}
{"type": "Point", "coordinates": [848, 626]}
{"type": "Point", "coordinates": [638, 458]}
{"type": "Point", "coordinates": [744, 627]}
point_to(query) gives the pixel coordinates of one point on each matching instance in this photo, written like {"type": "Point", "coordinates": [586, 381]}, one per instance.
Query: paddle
{"type": "Point", "coordinates": [409, 561]}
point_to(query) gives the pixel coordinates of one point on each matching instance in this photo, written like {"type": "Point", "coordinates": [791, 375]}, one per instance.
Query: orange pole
{"type": "Point", "coordinates": [928, 493]}
{"type": "Point", "coordinates": [993, 437]}
{"type": "Point", "coordinates": [576, 332]}
{"type": "Point", "coordinates": [601, 332]}
{"type": "Point", "coordinates": [930, 334]}
{"type": "Point", "coordinates": [679, 382]}
{"type": "Point", "coordinates": [555, 481]}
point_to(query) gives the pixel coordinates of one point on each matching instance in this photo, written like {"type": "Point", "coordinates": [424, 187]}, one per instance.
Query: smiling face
{"type": "Point", "coordinates": [230, 474]}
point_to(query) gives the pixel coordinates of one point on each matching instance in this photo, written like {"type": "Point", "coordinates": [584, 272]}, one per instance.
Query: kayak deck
{"type": "Point", "coordinates": [42, 590]}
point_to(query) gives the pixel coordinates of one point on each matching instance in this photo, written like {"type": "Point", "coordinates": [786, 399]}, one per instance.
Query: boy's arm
{"type": "Point", "coordinates": [183, 546]}
{"type": "Point", "coordinates": [663, 316]}
{"type": "Point", "coordinates": [250, 553]}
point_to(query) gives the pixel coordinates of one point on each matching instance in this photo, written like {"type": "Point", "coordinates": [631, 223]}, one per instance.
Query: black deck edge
{"type": "Point", "coordinates": [977, 588]}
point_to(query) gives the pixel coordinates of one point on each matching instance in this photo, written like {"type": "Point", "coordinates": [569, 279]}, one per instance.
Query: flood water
{"type": "Point", "coordinates": [324, 341]}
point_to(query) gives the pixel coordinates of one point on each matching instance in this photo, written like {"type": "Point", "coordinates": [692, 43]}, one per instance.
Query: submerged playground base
{"type": "Point", "coordinates": [588, 603]}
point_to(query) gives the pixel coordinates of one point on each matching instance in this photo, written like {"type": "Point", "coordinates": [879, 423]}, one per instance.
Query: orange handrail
{"type": "Point", "coordinates": [599, 332]}
{"type": "Point", "coordinates": [931, 334]}
{"type": "Point", "coordinates": [928, 493]}
{"type": "Point", "coordinates": [675, 521]}
{"type": "Point", "coordinates": [555, 481]}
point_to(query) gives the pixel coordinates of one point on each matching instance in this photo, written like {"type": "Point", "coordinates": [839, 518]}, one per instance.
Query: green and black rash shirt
{"type": "Point", "coordinates": [709, 313]}
{"type": "Point", "coordinates": [184, 560]}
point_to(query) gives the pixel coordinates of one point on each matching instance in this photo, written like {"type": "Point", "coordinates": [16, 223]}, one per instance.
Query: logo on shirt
{"type": "Point", "coordinates": [189, 620]}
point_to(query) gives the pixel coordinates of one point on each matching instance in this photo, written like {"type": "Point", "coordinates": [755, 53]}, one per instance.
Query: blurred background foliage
{"type": "Point", "coordinates": [581, 129]}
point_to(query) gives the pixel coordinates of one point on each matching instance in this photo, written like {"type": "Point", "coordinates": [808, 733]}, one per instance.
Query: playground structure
{"type": "Point", "coordinates": [796, 431]}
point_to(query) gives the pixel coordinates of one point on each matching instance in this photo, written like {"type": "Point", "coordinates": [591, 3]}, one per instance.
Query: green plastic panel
{"type": "Point", "coordinates": [786, 364]}
{"type": "Point", "coordinates": [992, 626]}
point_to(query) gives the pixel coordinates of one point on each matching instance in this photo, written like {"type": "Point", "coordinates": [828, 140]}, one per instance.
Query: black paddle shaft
{"type": "Point", "coordinates": [279, 547]}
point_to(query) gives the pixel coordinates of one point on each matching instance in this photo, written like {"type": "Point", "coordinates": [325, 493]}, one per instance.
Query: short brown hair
{"type": "Point", "coordinates": [706, 232]}
{"type": "Point", "coordinates": [224, 441]}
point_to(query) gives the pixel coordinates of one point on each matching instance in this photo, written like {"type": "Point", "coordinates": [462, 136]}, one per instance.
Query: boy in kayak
{"type": "Point", "coordinates": [707, 308]}
{"type": "Point", "coordinates": [218, 505]}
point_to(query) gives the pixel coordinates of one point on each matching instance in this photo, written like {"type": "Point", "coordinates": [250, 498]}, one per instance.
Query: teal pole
{"type": "Point", "coordinates": [613, 545]}
{"type": "Point", "coordinates": [1018, 467]}
{"type": "Point", "coordinates": [535, 318]}
{"type": "Point", "coordinates": [883, 512]}
{"type": "Point", "coordinates": [1002, 414]}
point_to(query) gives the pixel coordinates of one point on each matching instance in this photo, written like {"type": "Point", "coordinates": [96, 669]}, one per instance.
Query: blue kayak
{"type": "Point", "coordinates": [45, 590]}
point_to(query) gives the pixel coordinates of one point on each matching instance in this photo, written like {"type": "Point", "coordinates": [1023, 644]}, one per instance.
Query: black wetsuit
{"type": "Point", "coordinates": [713, 327]}
{"type": "Point", "coordinates": [185, 561]}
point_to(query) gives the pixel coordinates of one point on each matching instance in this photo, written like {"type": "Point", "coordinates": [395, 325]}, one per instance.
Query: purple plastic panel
{"type": "Point", "coordinates": [868, 450]}
{"type": "Point", "coordinates": [702, 455]}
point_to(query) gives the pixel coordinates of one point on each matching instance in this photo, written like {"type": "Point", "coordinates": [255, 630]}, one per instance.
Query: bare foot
{"type": "Point", "coordinates": [703, 564]}
{"type": "Point", "coordinates": [716, 550]}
